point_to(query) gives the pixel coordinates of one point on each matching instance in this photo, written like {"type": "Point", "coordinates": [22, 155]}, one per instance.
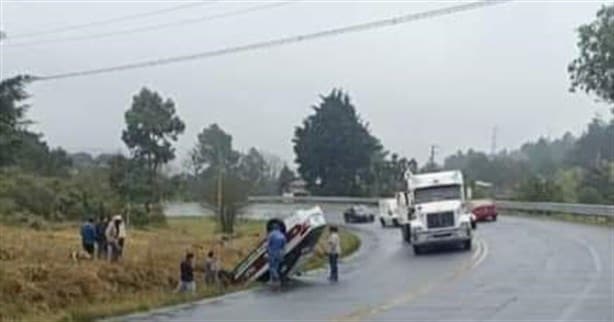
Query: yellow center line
{"type": "Point", "coordinates": [477, 258]}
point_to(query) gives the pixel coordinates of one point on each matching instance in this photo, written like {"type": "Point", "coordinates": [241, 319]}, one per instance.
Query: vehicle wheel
{"type": "Point", "coordinates": [418, 250]}
{"type": "Point", "coordinates": [467, 244]}
{"type": "Point", "coordinates": [346, 218]}
{"type": "Point", "coordinates": [372, 218]}
{"type": "Point", "coordinates": [395, 222]}
{"type": "Point", "coordinates": [494, 218]}
{"type": "Point", "coordinates": [474, 224]}
{"type": "Point", "coordinates": [382, 222]}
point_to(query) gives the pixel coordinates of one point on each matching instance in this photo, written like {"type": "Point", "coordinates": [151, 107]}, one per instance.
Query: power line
{"type": "Point", "coordinates": [148, 28]}
{"type": "Point", "coordinates": [108, 21]}
{"type": "Point", "coordinates": [281, 41]}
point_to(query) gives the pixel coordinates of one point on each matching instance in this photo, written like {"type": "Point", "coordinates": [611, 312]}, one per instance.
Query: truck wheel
{"type": "Point", "coordinates": [494, 218]}
{"type": "Point", "coordinates": [395, 222]}
{"type": "Point", "coordinates": [418, 250]}
{"type": "Point", "coordinates": [467, 244]}
{"type": "Point", "coordinates": [382, 222]}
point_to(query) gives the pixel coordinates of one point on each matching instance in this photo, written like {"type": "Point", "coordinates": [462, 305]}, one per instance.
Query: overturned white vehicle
{"type": "Point", "coordinates": [302, 230]}
{"type": "Point", "coordinates": [436, 211]}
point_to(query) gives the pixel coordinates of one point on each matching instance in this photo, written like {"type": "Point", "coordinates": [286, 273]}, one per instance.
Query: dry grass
{"type": "Point", "coordinates": [39, 282]}
{"type": "Point", "coordinates": [349, 244]}
{"type": "Point", "coordinates": [38, 279]}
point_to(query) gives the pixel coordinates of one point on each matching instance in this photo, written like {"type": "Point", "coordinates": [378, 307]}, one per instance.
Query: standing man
{"type": "Point", "coordinates": [276, 242]}
{"type": "Point", "coordinates": [112, 238]}
{"type": "Point", "coordinates": [88, 236]}
{"type": "Point", "coordinates": [101, 240]}
{"type": "Point", "coordinates": [334, 249]}
{"type": "Point", "coordinates": [121, 235]}
{"type": "Point", "coordinates": [186, 278]}
{"type": "Point", "coordinates": [211, 269]}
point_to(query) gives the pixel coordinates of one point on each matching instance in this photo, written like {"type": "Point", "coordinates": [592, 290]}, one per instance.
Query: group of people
{"type": "Point", "coordinates": [276, 243]}
{"type": "Point", "coordinates": [187, 283]}
{"type": "Point", "coordinates": [104, 239]}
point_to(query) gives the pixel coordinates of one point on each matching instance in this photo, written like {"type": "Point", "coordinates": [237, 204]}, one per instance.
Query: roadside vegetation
{"type": "Point", "coordinates": [569, 168]}
{"type": "Point", "coordinates": [39, 280]}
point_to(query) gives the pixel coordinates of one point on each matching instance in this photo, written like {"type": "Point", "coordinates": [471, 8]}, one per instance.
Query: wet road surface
{"type": "Point", "coordinates": [518, 270]}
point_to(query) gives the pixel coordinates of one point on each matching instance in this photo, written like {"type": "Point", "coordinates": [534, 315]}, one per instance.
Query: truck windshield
{"type": "Point", "coordinates": [450, 192]}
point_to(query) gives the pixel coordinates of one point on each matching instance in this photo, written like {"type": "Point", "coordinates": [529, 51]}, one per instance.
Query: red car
{"type": "Point", "coordinates": [484, 210]}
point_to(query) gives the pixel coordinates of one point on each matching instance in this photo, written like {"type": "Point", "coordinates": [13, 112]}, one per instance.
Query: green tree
{"type": "Point", "coordinates": [539, 189]}
{"type": "Point", "coordinates": [253, 167]}
{"type": "Point", "coordinates": [334, 149]}
{"type": "Point", "coordinates": [593, 70]}
{"type": "Point", "coordinates": [129, 179]}
{"type": "Point", "coordinates": [213, 151]}
{"type": "Point", "coordinates": [151, 128]}
{"type": "Point", "coordinates": [12, 115]}
{"type": "Point", "coordinates": [221, 183]}
{"type": "Point", "coordinates": [286, 176]}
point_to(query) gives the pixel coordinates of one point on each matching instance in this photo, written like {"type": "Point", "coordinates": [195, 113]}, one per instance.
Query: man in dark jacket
{"type": "Point", "coordinates": [101, 240]}
{"type": "Point", "coordinates": [186, 279]}
{"type": "Point", "coordinates": [88, 236]}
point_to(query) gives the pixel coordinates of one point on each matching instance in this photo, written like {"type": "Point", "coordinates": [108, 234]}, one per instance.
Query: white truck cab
{"type": "Point", "coordinates": [436, 211]}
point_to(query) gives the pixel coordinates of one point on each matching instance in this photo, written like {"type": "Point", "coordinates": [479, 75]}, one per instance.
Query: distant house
{"type": "Point", "coordinates": [296, 188]}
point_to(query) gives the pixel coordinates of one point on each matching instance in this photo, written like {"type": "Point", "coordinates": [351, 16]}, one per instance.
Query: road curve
{"type": "Point", "coordinates": [519, 270]}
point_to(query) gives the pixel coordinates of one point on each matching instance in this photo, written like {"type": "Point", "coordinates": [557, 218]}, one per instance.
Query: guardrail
{"type": "Point", "coordinates": [546, 207]}
{"type": "Point", "coordinates": [312, 199]}
{"type": "Point", "coordinates": [554, 207]}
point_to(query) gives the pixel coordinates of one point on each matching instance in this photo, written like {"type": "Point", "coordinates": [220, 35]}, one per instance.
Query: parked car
{"type": "Point", "coordinates": [358, 214]}
{"type": "Point", "coordinates": [484, 210]}
{"type": "Point", "coordinates": [388, 212]}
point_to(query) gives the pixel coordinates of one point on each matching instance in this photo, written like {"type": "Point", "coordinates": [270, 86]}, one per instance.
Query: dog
{"type": "Point", "coordinates": [79, 255]}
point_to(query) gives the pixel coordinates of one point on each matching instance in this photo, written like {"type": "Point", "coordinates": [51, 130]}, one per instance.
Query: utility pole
{"type": "Point", "coordinates": [493, 142]}
{"type": "Point", "coordinates": [434, 149]}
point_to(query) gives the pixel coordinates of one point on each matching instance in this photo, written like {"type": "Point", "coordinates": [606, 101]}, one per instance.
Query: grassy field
{"type": "Point", "coordinates": [38, 280]}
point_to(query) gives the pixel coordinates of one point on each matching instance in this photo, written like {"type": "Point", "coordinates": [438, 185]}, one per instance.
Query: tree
{"type": "Point", "coordinates": [253, 167]}
{"type": "Point", "coordinates": [213, 151]}
{"type": "Point", "coordinates": [12, 115]}
{"type": "Point", "coordinates": [151, 127]}
{"type": "Point", "coordinates": [593, 70]}
{"type": "Point", "coordinates": [223, 187]}
{"type": "Point", "coordinates": [231, 191]}
{"type": "Point", "coordinates": [286, 176]}
{"type": "Point", "coordinates": [334, 149]}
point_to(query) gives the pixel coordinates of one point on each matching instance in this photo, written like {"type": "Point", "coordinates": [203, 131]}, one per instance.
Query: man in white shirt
{"type": "Point", "coordinates": [334, 249]}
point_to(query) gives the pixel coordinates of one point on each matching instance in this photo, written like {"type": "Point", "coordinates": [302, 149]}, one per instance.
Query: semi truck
{"type": "Point", "coordinates": [435, 211]}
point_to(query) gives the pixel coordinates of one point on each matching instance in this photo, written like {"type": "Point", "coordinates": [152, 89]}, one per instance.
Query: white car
{"type": "Point", "coordinates": [388, 212]}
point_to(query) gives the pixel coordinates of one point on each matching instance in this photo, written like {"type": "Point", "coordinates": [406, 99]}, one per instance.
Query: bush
{"type": "Point", "coordinates": [589, 195]}
{"type": "Point", "coordinates": [83, 194]}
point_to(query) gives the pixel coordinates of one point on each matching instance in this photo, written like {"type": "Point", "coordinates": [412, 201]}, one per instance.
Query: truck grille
{"type": "Point", "coordinates": [440, 219]}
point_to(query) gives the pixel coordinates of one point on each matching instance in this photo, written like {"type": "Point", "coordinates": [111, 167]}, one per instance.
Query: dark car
{"type": "Point", "coordinates": [358, 214]}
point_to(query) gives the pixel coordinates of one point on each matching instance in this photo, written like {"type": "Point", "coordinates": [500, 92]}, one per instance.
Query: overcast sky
{"type": "Point", "coordinates": [445, 81]}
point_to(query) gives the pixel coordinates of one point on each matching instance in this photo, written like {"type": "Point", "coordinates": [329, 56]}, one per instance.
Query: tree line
{"type": "Point", "coordinates": [566, 169]}
{"type": "Point", "coordinates": [50, 183]}
{"type": "Point", "coordinates": [335, 154]}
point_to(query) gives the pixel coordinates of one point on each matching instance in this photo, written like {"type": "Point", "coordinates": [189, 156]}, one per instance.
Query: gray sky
{"type": "Point", "coordinates": [447, 80]}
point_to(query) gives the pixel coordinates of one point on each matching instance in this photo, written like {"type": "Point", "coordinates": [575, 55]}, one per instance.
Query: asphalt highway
{"type": "Point", "coordinates": [519, 269]}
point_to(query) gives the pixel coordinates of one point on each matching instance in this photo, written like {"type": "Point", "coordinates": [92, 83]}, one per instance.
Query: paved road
{"type": "Point", "coordinates": [519, 270]}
